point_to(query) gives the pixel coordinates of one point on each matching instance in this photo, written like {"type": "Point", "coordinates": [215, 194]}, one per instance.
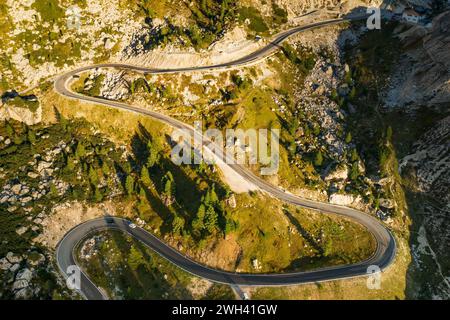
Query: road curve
{"type": "Point", "coordinates": [382, 257]}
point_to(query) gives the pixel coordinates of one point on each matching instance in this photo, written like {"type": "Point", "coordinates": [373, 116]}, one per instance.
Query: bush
{"type": "Point", "coordinates": [280, 15]}
{"type": "Point", "coordinates": [304, 59]}
{"type": "Point", "coordinates": [354, 172]}
{"type": "Point", "coordinates": [318, 159]}
{"type": "Point", "coordinates": [257, 23]}
{"type": "Point", "coordinates": [348, 137]}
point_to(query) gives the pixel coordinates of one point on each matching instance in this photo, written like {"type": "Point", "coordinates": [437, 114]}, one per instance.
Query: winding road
{"type": "Point", "coordinates": [382, 257]}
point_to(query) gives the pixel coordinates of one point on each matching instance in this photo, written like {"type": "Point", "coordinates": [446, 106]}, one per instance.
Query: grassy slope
{"type": "Point", "coordinates": [277, 240]}
{"type": "Point", "coordinates": [128, 270]}
{"type": "Point", "coordinates": [117, 130]}
{"type": "Point", "coordinates": [370, 67]}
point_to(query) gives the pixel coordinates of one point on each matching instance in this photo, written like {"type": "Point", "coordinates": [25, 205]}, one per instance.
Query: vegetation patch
{"type": "Point", "coordinates": [253, 16]}
{"type": "Point", "coordinates": [127, 269]}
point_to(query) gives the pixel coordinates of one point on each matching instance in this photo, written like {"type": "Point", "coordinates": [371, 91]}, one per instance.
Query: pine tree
{"type": "Point", "coordinates": [105, 168]}
{"type": "Point", "coordinates": [145, 178]}
{"type": "Point", "coordinates": [211, 219]}
{"type": "Point", "coordinates": [70, 164]}
{"type": "Point", "coordinates": [93, 176]}
{"type": "Point", "coordinates": [178, 224]}
{"type": "Point", "coordinates": [389, 133]}
{"type": "Point", "coordinates": [168, 188]}
{"type": "Point", "coordinates": [318, 160]}
{"type": "Point", "coordinates": [354, 172]}
{"type": "Point", "coordinates": [98, 195]}
{"type": "Point", "coordinates": [169, 184]}
{"type": "Point", "coordinates": [348, 138]}
{"type": "Point", "coordinates": [142, 195]}
{"type": "Point", "coordinates": [207, 198]}
{"type": "Point", "coordinates": [348, 78]}
{"type": "Point", "coordinates": [135, 258]}
{"type": "Point", "coordinates": [129, 185]}
{"type": "Point", "coordinates": [127, 167]}
{"type": "Point", "coordinates": [198, 222]}
{"type": "Point", "coordinates": [354, 155]}
{"type": "Point", "coordinates": [153, 154]}
{"type": "Point", "coordinates": [213, 196]}
{"type": "Point", "coordinates": [80, 151]}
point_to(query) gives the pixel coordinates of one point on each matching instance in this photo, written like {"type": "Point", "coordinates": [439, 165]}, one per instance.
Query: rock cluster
{"type": "Point", "coordinates": [17, 193]}
{"type": "Point", "coordinates": [90, 247]}
{"type": "Point", "coordinates": [18, 272]}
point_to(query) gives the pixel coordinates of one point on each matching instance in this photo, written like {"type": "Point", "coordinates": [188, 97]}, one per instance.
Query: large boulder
{"type": "Point", "coordinates": [344, 199]}
{"type": "Point", "coordinates": [13, 258]}
{"type": "Point", "coordinates": [4, 264]}
{"type": "Point", "coordinates": [340, 173]}
{"type": "Point", "coordinates": [24, 274]}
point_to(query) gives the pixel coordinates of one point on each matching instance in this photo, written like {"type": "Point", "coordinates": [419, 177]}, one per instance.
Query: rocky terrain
{"type": "Point", "coordinates": [308, 89]}
{"type": "Point", "coordinates": [34, 177]}
{"type": "Point", "coordinates": [423, 73]}
{"type": "Point", "coordinates": [19, 272]}
{"type": "Point", "coordinates": [100, 30]}
{"type": "Point", "coordinates": [420, 90]}
{"type": "Point", "coordinates": [316, 100]}
{"type": "Point", "coordinates": [80, 34]}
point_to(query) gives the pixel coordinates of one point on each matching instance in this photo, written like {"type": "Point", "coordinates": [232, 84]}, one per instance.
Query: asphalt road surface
{"type": "Point", "coordinates": [382, 257]}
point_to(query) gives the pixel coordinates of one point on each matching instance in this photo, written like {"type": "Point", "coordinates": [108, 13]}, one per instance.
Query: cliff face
{"type": "Point", "coordinates": [423, 76]}
{"type": "Point", "coordinates": [428, 166]}
{"type": "Point", "coordinates": [427, 85]}
{"type": "Point", "coordinates": [420, 90]}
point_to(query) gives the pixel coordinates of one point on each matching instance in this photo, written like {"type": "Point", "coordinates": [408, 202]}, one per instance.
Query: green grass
{"type": "Point", "coordinates": [263, 234]}
{"type": "Point", "coordinates": [285, 238]}
{"type": "Point", "coordinates": [127, 269]}
{"type": "Point", "coordinates": [190, 185]}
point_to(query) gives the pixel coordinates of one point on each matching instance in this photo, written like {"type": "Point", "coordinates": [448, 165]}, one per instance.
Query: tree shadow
{"type": "Point", "coordinates": [147, 281]}
{"type": "Point", "coordinates": [303, 232]}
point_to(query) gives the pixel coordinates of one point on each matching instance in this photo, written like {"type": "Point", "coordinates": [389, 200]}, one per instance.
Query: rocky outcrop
{"type": "Point", "coordinates": [339, 173]}
{"type": "Point", "coordinates": [430, 160]}
{"type": "Point", "coordinates": [429, 164]}
{"type": "Point", "coordinates": [421, 81]}
{"type": "Point", "coordinates": [19, 272]}
{"type": "Point", "coordinates": [422, 78]}
{"type": "Point", "coordinates": [20, 114]}
{"type": "Point", "coordinates": [344, 199]}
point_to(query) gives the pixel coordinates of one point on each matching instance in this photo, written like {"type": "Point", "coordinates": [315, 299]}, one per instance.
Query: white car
{"type": "Point", "coordinates": [132, 226]}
